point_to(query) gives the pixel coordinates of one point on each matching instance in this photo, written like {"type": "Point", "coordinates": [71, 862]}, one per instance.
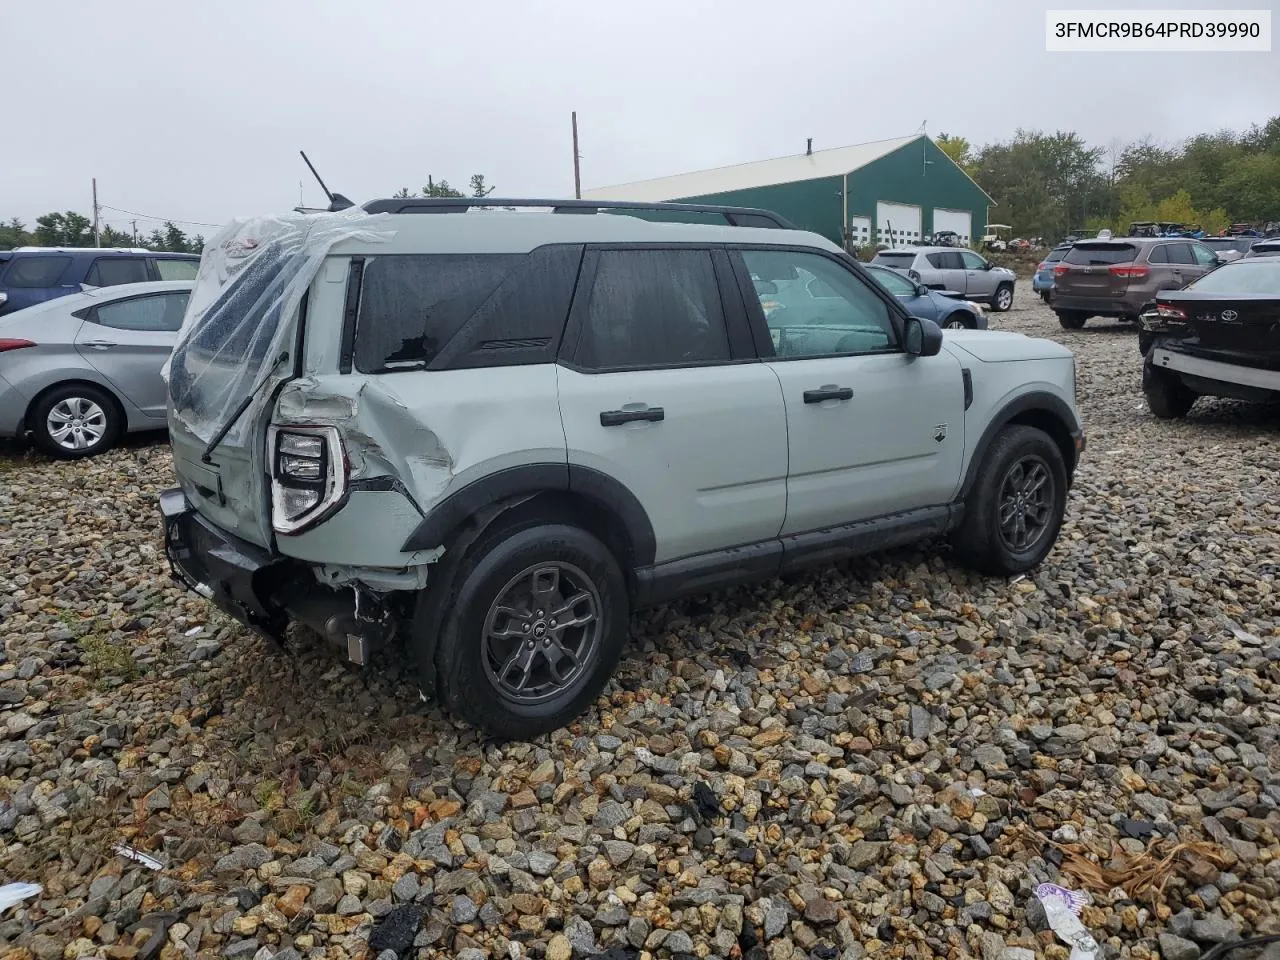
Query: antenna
{"type": "Point", "coordinates": [336, 200]}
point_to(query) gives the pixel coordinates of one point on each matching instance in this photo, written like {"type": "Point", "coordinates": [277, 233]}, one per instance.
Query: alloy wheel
{"type": "Point", "coordinates": [1026, 503]}
{"type": "Point", "coordinates": [542, 632]}
{"type": "Point", "coordinates": [76, 423]}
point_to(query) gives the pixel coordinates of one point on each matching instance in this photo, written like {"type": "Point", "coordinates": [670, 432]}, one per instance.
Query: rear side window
{"type": "Point", "coordinates": [157, 314]}
{"type": "Point", "coordinates": [653, 308]}
{"type": "Point", "coordinates": [35, 271]}
{"type": "Point", "coordinates": [1101, 254]}
{"type": "Point", "coordinates": [113, 271]}
{"type": "Point", "coordinates": [411, 306]}
{"type": "Point", "coordinates": [1180, 253]}
{"type": "Point", "coordinates": [177, 269]}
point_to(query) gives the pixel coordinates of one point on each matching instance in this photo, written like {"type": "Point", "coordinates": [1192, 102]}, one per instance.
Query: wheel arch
{"type": "Point", "coordinates": [1040, 409]}
{"type": "Point", "coordinates": [38, 398]}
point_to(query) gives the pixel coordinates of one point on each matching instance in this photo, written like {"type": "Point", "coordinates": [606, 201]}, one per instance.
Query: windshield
{"type": "Point", "coordinates": [1261, 276]}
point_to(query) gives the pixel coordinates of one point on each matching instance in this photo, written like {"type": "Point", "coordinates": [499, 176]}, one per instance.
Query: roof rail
{"type": "Point", "coordinates": [83, 250]}
{"type": "Point", "coordinates": [734, 216]}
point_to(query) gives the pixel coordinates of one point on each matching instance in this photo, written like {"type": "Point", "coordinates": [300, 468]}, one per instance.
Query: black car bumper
{"type": "Point", "coordinates": [224, 569]}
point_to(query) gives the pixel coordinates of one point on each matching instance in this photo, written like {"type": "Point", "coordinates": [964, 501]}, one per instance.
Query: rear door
{"type": "Point", "coordinates": [660, 389]}
{"type": "Point", "coordinates": [112, 271]}
{"type": "Point", "coordinates": [128, 341]}
{"type": "Point", "coordinates": [949, 271]}
{"type": "Point", "coordinates": [871, 430]}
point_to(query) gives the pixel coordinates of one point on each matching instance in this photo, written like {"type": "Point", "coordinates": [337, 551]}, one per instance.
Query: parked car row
{"type": "Point", "coordinates": [31, 275]}
{"type": "Point", "coordinates": [960, 272]}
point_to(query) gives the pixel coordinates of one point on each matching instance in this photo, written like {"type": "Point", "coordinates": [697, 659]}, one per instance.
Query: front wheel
{"type": "Point", "coordinates": [1014, 512]}
{"type": "Point", "coordinates": [1003, 300]}
{"type": "Point", "coordinates": [960, 320]}
{"type": "Point", "coordinates": [75, 421]}
{"type": "Point", "coordinates": [535, 630]}
{"type": "Point", "coordinates": [1167, 396]}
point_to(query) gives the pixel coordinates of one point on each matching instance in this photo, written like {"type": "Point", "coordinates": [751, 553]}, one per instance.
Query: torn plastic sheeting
{"type": "Point", "coordinates": [124, 850]}
{"type": "Point", "coordinates": [252, 277]}
{"type": "Point", "coordinates": [12, 894]}
{"type": "Point", "coordinates": [1062, 909]}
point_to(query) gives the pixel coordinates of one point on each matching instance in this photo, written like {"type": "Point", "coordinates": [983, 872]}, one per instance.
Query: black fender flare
{"type": "Point", "coordinates": [1036, 401]}
{"type": "Point", "coordinates": [533, 478]}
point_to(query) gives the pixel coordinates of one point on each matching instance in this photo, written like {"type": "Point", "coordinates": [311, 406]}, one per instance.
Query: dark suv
{"type": "Point", "coordinates": [31, 275]}
{"type": "Point", "coordinates": [1120, 277]}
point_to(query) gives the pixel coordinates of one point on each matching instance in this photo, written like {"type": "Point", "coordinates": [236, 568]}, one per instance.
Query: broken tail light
{"type": "Point", "coordinates": [1128, 271]}
{"type": "Point", "coordinates": [309, 472]}
{"type": "Point", "coordinates": [1061, 270]}
{"type": "Point", "coordinates": [1168, 312]}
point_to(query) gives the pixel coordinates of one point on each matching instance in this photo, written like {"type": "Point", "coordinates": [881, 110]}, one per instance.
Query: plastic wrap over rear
{"type": "Point", "coordinates": [253, 275]}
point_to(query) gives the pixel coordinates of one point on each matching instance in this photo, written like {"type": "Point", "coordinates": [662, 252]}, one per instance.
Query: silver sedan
{"type": "Point", "coordinates": [79, 371]}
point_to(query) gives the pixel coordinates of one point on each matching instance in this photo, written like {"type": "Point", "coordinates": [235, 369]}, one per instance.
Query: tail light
{"type": "Point", "coordinates": [1128, 271]}
{"type": "Point", "coordinates": [1168, 312]}
{"type": "Point", "coordinates": [1042, 265]}
{"type": "Point", "coordinates": [13, 343]}
{"type": "Point", "coordinates": [309, 472]}
{"type": "Point", "coordinates": [1061, 270]}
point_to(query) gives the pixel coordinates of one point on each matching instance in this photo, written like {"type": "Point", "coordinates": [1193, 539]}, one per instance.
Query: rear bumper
{"type": "Point", "coordinates": [1040, 284]}
{"type": "Point", "coordinates": [222, 568]}
{"type": "Point", "coordinates": [1096, 306]}
{"type": "Point", "coordinates": [1215, 371]}
{"type": "Point", "coordinates": [13, 409]}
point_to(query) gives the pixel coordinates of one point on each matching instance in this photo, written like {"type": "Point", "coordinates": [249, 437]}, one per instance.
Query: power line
{"type": "Point", "coordinates": [143, 216]}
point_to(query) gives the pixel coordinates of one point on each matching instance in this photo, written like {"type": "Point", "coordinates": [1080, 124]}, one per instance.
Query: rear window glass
{"type": "Point", "coordinates": [1242, 277]}
{"type": "Point", "coordinates": [35, 271]}
{"type": "Point", "coordinates": [899, 260]}
{"type": "Point", "coordinates": [1265, 250]}
{"type": "Point", "coordinates": [411, 306]}
{"type": "Point", "coordinates": [1098, 254]}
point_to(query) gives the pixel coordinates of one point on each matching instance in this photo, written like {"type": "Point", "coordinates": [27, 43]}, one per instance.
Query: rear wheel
{"type": "Point", "coordinates": [1072, 319]}
{"type": "Point", "coordinates": [74, 421]}
{"type": "Point", "coordinates": [535, 630]}
{"type": "Point", "coordinates": [1013, 514]}
{"type": "Point", "coordinates": [1167, 396]}
{"type": "Point", "coordinates": [1003, 298]}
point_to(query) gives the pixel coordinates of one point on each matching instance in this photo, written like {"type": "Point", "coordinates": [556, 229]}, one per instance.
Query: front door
{"type": "Point", "coordinates": [871, 430]}
{"type": "Point", "coordinates": [978, 281]}
{"type": "Point", "coordinates": [659, 388]}
{"type": "Point", "coordinates": [128, 341]}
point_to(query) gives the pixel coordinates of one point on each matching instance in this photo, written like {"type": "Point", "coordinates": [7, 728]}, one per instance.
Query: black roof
{"type": "Point", "coordinates": [734, 216]}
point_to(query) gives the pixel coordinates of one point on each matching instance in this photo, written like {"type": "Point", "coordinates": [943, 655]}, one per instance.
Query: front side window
{"type": "Point", "coordinates": [177, 269]}
{"type": "Point", "coordinates": [113, 271]}
{"type": "Point", "coordinates": [1204, 256]}
{"type": "Point", "coordinates": [1180, 253]}
{"type": "Point", "coordinates": [652, 308]}
{"type": "Point", "coordinates": [849, 318]}
{"type": "Point", "coordinates": [35, 271]}
{"type": "Point", "coordinates": [972, 261]}
{"type": "Point", "coordinates": [156, 314]}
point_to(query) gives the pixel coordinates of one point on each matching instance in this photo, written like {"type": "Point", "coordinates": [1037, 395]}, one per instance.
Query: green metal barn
{"type": "Point", "coordinates": [851, 195]}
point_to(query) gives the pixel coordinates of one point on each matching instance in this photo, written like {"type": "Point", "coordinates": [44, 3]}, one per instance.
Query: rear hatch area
{"type": "Point", "coordinates": [1096, 269]}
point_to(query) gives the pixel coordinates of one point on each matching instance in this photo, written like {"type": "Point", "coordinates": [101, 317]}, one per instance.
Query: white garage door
{"type": "Point", "coordinates": [860, 231]}
{"type": "Point", "coordinates": [961, 221]}
{"type": "Point", "coordinates": [903, 218]}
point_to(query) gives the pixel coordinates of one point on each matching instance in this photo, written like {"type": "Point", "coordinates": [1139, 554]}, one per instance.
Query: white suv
{"type": "Point", "coordinates": [960, 271]}
{"type": "Point", "coordinates": [492, 434]}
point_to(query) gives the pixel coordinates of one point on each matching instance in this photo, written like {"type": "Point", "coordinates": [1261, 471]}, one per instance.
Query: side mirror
{"type": "Point", "coordinates": [923, 337]}
{"type": "Point", "coordinates": [987, 265]}
{"type": "Point", "coordinates": [921, 290]}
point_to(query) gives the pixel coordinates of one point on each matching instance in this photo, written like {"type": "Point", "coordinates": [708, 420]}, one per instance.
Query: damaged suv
{"type": "Point", "coordinates": [491, 434]}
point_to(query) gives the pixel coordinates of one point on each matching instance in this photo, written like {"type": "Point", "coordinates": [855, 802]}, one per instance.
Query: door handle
{"type": "Point", "coordinates": [828, 391]}
{"type": "Point", "coordinates": [616, 418]}
{"type": "Point", "coordinates": [100, 344]}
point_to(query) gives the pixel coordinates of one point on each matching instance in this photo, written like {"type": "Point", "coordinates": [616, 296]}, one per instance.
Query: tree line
{"type": "Point", "coordinates": [1051, 184]}
{"type": "Point", "coordinates": [71, 229]}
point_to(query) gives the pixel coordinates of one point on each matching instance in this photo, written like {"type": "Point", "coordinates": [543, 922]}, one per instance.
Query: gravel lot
{"type": "Point", "coordinates": [884, 758]}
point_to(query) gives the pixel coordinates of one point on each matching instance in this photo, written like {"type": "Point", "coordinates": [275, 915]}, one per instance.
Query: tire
{"type": "Point", "coordinates": [496, 583]}
{"type": "Point", "coordinates": [75, 421]}
{"type": "Point", "coordinates": [1002, 299]}
{"type": "Point", "coordinates": [1072, 319]}
{"type": "Point", "coordinates": [1018, 457]}
{"type": "Point", "coordinates": [1145, 340]}
{"type": "Point", "coordinates": [959, 320]}
{"type": "Point", "coordinates": [1044, 295]}
{"type": "Point", "coordinates": [1167, 396]}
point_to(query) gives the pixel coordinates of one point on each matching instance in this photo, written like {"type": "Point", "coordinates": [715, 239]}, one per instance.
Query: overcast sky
{"type": "Point", "coordinates": [195, 111]}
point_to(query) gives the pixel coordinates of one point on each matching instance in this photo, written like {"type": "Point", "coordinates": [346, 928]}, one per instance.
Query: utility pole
{"type": "Point", "coordinates": [577, 173]}
{"type": "Point", "coordinates": [135, 232]}
{"type": "Point", "coordinates": [97, 240]}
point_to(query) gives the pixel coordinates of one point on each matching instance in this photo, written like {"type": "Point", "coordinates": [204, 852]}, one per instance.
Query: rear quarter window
{"type": "Point", "coordinates": [1101, 254]}
{"type": "Point", "coordinates": [35, 271]}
